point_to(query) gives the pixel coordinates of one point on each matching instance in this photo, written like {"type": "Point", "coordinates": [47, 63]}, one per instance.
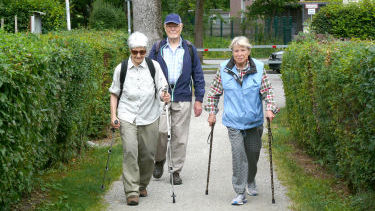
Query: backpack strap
{"type": "Point", "coordinates": [124, 69]}
{"type": "Point", "coordinates": [190, 47]}
{"type": "Point", "coordinates": [151, 68]}
{"type": "Point", "coordinates": [157, 49]}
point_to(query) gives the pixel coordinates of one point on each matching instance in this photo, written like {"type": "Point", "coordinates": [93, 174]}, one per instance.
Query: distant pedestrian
{"type": "Point", "coordinates": [137, 109]}
{"type": "Point", "coordinates": [181, 66]}
{"type": "Point", "coordinates": [244, 83]}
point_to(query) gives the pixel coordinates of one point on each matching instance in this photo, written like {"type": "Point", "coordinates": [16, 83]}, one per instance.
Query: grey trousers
{"type": "Point", "coordinates": [180, 113]}
{"type": "Point", "coordinates": [139, 147]}
{"type": "Point", "coordinates": [246, 145]}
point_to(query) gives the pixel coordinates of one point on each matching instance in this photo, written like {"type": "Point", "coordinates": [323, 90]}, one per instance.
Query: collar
{"type": "Point", "coordinates": [179, 44]}
{"type": "Point", "coordinates": [250, 70]}
{"type": "Point", "coordinates": [130, 63]}
{"type": "Point", "coordinates": [246, 68]}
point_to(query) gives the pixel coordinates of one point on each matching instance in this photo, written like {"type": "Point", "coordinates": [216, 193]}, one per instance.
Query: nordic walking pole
{"type": "Point", "coordinates": [270, 137]}
{"type": "Point", "coordinates": [170, 168]}
{"type": "Point", "coordinates": [109, 153]}
{"type": "Point", "coordinates": [209, 156]}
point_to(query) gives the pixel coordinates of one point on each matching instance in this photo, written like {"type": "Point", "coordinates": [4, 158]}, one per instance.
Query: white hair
{"type": "Point", "coordinates": [137, 39]}
{"type": "Point", "coordinates": [240, 41]}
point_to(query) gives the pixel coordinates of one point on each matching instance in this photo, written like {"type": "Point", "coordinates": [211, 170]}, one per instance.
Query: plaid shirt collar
{"type": "Point", "coordinates": [250, 69]}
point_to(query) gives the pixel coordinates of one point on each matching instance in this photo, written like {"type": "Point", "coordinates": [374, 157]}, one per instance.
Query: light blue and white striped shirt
{"type": "Point", "coordinates": [174, 60]}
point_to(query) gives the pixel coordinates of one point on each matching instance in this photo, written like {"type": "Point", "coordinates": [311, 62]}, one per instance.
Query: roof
{"type": "Point", "coordinates": [38, 12]}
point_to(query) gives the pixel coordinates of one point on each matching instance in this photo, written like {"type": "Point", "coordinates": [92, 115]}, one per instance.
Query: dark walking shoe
{"type": "Point", "coordinates": [176, 179]}
{"type": "Point", "coordinates": [142, 192]}
{"type": "Point", "coordinates": [158, 170]}
{"type": "Point", "coordinates": [132, 200]}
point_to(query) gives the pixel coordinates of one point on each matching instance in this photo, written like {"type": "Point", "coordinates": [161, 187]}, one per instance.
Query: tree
{"type": "Point", "coordinates": [147, 19]}
{"type": "Point", "coordinates": [267, 8]}
{"type": "Point", "coordinates": [198, 28]}
{"type": "Point", "coordinates": [80, 12]}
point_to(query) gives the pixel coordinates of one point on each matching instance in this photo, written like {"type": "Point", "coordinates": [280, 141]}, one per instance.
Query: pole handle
{"type": "Point", "coordinates": [113, 129]}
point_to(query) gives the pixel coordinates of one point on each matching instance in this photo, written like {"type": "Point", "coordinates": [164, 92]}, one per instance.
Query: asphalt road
{"type": "Point", "coordinates": [191, 194]}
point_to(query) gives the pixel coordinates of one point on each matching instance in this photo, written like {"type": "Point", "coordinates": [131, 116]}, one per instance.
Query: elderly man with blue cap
{"type": "Point", "coordinates": [181, 66]}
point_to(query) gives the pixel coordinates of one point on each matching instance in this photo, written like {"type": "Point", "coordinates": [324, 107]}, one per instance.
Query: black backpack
{"type": "Point", "coordinates": [124, 69]}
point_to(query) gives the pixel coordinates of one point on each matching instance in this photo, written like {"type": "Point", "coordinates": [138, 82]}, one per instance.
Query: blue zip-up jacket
{"type": "Point", "coordinates": [243, 107]}
{"type": "Point", "coordinates": [190, 73]}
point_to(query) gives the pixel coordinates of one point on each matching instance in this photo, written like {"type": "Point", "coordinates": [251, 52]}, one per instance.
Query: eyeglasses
{"type": "Point", "coordinates": [141, 52]}
{"type": "Point", "coordinates": [172, 26]}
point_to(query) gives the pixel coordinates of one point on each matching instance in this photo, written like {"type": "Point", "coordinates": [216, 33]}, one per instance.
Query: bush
{"type": "Point", "coordinates": [346, 21]}
{"type": "Point", "coordinates": [330, 97]}
{"type": "Point", "coordinates": [53, 20]}
{"type": "Point", "coordinates": [53, 96]}
{"type": "Point", "coordinates": [106, 16]}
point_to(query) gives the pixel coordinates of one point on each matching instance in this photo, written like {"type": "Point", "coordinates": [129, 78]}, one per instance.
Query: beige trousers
{"type": "Point", "coordinates": [139, 147]}
{"type": "Point", "coordinates": [180, 113]}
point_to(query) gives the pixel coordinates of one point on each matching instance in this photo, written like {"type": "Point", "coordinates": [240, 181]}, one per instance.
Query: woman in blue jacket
{"type": "Point", "coordinates": [244, 84]}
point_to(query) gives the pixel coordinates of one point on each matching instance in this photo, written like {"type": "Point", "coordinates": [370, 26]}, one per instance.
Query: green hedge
{"type": "Point", "coordinates": [330, 97]}
{"type": "Point", "coordinates": [53, 20]}
{"type": "Point", "coordinates": [53, 96]}
{"type": "Point", "coordinates": [346, 21]}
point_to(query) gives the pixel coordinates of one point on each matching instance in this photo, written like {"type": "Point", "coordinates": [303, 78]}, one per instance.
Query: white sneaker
{"type": "Point", "coordinates": [239, 200]}
{"type": "Point", "coordinates": [252, 189]}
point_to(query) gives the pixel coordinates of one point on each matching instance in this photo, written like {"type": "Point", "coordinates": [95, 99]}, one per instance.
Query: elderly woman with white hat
{"type": "Point", "coordinates": [135, 107]}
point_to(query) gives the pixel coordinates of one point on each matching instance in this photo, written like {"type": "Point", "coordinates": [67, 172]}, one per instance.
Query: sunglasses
{"type": "Point", "coordinates": [141, 52]}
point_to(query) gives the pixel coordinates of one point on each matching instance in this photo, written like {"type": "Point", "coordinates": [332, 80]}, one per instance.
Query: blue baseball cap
{"type": "Point", "coordinates": [172, 18]}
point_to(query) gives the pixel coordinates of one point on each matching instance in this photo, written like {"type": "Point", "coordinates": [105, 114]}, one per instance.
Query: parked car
{"type": "Point", "coordinates": [274, 61]}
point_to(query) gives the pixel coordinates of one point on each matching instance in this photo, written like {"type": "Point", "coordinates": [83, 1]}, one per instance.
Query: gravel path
{"type": "Point", "coordinates": [191, 194]}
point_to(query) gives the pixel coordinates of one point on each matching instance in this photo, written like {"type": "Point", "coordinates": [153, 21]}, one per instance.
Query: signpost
{"type": "Point", "coordinates": [311, 6]}
{"type": "Point", "coordinates": [311, 9]}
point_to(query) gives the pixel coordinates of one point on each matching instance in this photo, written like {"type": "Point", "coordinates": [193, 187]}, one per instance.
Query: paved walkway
{"type": "Point", "coordinates": [191, 195]}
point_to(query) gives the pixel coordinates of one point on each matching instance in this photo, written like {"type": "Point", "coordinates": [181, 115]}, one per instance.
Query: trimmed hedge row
{"type": "Point", "coordinates": [53, 96]}
{"type": "Point", "coordinates": [347, 20]}
{"type": "Point", "coordinates": [330, 97]}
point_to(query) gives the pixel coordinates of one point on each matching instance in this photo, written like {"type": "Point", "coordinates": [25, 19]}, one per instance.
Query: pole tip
{"type": "Point", "coordinates": [273, 201]}
{"type": "Point", "coordinates": [206, 192]}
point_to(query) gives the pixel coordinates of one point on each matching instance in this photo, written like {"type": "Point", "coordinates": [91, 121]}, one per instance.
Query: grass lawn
{"type": "Point", "coordinates": [76, 186]}
{"type": "Point", "coordinates": [310, 186]}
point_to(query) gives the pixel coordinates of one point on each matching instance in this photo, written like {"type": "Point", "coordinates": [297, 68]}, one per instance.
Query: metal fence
{"type": "Point", "coordinates": [279, 28]}
{"type": "Point", "coordinates": [213, 66]}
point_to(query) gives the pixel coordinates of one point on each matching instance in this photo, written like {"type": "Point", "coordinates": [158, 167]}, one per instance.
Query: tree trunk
{"type": "Point", "coordinates": [198, 28]}
{"type": "Point", "coordinates": [147, 19]}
